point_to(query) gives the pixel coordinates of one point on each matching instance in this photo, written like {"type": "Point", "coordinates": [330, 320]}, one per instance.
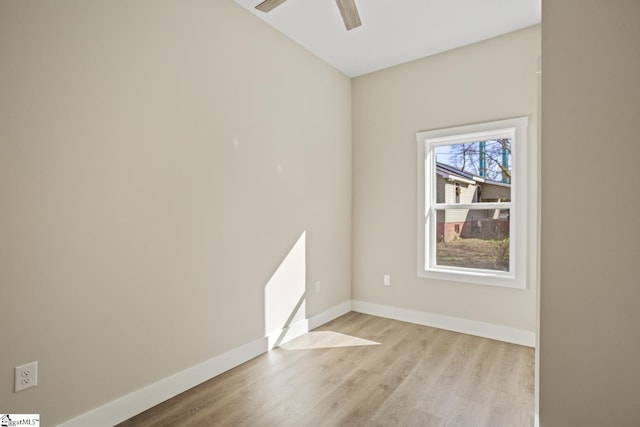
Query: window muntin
{"type": "Point", "coordinates": [471, 196]}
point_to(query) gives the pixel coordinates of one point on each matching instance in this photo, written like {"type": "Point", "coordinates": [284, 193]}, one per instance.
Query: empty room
{"type": "Point", "coordinates": [319, 213]}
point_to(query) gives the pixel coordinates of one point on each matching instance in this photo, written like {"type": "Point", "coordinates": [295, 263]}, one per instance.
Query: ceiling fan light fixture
{"type": "Point", "coordinates": [349, 13]}
{"type": "Point", "coordinates": [269, 5]}
{"type": "Point", "coordinates": [347, 9]}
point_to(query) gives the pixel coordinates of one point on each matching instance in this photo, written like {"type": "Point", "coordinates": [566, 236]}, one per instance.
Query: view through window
{"type": "Point", "coordinates": [469, 175]}
{"type": "Point", "coordinates": [471, 197]}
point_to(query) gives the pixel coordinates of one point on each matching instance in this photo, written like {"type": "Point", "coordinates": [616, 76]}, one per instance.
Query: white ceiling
{"type": "Point", "coordinates": [395, 31]}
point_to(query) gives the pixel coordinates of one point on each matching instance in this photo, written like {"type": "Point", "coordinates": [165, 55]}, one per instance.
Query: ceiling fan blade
{"type": "Point", "coordinates": [349, 13]}
{"type": "Point", "coordinates": [268, 5]}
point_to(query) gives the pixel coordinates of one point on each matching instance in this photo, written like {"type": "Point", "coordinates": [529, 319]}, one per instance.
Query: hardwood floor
{"type": "Point", "coordinates": [404, 375]}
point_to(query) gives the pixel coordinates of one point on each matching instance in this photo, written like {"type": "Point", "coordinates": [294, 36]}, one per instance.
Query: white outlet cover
{"type": "Point", "coordinates": [26, 376]}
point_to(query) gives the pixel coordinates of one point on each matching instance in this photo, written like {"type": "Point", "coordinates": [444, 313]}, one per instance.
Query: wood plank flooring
{"type": "Point", "coordinates": [407, 375]}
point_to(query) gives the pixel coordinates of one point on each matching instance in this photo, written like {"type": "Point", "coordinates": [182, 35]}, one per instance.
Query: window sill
{"type": "Point", "coordinates": [483, 277]}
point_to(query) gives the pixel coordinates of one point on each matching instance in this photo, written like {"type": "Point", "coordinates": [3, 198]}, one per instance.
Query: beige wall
{"type": "Point", "coordinates": [158, 161]}
{"type": "Point", "coordinates": [491, 80]}
{"type": "Point", "coordinates": [590, 286]}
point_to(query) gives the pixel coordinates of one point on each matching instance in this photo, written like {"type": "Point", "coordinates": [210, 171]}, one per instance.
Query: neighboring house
{"type": "Point", "coordinates": [454, 186]}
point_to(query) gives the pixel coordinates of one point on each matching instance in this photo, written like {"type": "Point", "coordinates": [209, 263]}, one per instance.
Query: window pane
{"type": "Point", "coordinates": [473, 238]}
{"type": "Point", "coordinates": [474, 172]}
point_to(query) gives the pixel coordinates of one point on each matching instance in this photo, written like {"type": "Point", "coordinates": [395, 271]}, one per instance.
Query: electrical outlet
{"type": "Point", "coordinates": [26, 376]}
{"type": "Point", "coordinates": [386, 280]}
{"type": "Point", "coordinates": [317, 287]}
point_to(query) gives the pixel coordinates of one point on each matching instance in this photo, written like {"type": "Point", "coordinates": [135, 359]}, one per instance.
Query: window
{"type": "Point", "coordinates": [472, 187]}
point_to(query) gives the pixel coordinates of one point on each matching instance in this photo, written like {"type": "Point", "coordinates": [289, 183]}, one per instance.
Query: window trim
{"type": "Point", "coordinates": [515, 128]}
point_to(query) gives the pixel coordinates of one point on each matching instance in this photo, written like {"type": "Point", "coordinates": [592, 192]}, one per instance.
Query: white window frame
{"type": "Point", "coordinates": [516, 129]}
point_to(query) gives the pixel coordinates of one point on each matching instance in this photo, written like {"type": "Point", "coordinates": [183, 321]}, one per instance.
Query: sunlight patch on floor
{"type": "Point", "coordinates": [325, 339]}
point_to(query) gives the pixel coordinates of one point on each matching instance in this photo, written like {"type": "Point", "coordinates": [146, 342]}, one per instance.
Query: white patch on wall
{"type": "Point", "coordinates": [284, 294]}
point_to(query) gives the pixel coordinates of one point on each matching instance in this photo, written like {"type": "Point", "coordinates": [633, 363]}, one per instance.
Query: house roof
{"type": "Point", "coordinates": [449, 172]}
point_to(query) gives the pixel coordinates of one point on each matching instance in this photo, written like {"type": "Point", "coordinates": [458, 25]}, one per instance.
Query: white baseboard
{"type": "Point", "coordinates": [140, 400]}
{"type": "Point", "coordinates": [329, 315]}
{"type": "Point", "coordinates": [466, 326]}
{"type": "Point", "coordinates": [281, 336]}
